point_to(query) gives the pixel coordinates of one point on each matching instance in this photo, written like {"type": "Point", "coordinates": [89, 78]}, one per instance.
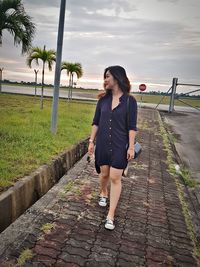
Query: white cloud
{"type": "Point", "coordinates": [153, 39]}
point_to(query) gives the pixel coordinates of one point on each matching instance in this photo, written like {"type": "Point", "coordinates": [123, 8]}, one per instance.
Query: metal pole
{"type": "Point", "coordinates": [188, 84]}
{"type": "Point", "coordinates": [141, 100]}
{"type": "Point", "coordinates": [188, 104]}
{"type": "Point", "coordinates": [163, 97]}
{"type": "Point", "coordinates": [190, 92]}
{"type": "Point", "coordinates": [174, 84]}
{"type": "Point", "coordinates": [58, 67]}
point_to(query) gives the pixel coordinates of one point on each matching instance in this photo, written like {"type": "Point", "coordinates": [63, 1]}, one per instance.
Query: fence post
{"type": "Point", "coordinates": [174, 84]}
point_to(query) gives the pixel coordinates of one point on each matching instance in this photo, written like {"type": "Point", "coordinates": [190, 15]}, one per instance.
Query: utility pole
{"type": "Point", "coordinates": [1, 72]}
{"type": "Point", "coordinates": [36, 72]}
{"type": "Point", "coordinates": [58, 67]}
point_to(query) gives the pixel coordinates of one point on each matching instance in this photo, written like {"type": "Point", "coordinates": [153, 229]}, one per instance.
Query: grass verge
{"type": "Point", "coordinates": [25, 136]}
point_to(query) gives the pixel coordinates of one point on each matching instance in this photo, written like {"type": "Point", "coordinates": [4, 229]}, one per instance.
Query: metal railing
{"type": "Point", "coordinates": [174, 95]}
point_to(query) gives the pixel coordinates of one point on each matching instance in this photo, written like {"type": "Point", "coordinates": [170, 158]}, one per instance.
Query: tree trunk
{"type": "Point", "coordinates": [35, 84]}
{"type": "Point", "coordinates": [36, 72]}
{"type": "Point", "coordinates": [69, 79]}
{"type": "Point", "coordinates": [42, 90]}
{"type": "Point", "coordinates": [69, 86]}
{"type": "Point", "coordinates": [72, 85]}
{"type": "Point", "coordinates": [1, 71]}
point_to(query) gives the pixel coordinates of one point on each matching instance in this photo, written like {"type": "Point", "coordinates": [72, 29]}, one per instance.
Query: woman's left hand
{"type": "Point", "coordinates": [130, 154]}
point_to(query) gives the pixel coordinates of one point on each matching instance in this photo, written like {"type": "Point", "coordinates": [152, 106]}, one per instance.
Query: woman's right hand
{"type": "Point", "coordinates": [91, 148]}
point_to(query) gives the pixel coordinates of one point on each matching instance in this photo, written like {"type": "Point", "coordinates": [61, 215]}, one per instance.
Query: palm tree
{"type": "Point", "coordinates": [47, 56]}
{"type": "Point", "coordinates": [72, 68]}
{"type": "Point", "coordinates": [14, 19]}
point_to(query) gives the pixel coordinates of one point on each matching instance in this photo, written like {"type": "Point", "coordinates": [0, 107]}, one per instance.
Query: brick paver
{"type": "Point", "coordinates": [150, 225]}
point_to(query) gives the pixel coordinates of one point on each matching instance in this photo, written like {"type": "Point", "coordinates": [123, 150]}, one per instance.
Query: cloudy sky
{"type": "Point", "coordinates": [155, 40]}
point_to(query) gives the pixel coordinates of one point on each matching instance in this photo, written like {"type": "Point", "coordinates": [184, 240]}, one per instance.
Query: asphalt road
{"type": "Point", "coordinates": [82, 96]}
{"type": "Point", "coordinates": [47, 92]}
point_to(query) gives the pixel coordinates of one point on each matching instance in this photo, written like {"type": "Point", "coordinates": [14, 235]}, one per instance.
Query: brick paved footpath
{"type": "Point", "coordinates": [150, 226]}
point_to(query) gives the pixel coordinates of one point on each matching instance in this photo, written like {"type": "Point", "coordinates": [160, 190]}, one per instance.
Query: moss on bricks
{"type": "Point", "coordinates": [47, 227]}
{"type": "Point", "coordinates": [138, 166]}
{"type": "Point", "coordinates": [25, 255]}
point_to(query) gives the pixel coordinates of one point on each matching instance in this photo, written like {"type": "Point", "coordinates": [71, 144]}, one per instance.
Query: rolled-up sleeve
{"type": "Point", "coordinates": [97, 114]}
{"type": "Point", "coordinates": [132, 114]}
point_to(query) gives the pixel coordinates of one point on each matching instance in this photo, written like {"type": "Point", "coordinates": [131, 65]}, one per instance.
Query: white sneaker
{"type": "Point", "coordinates": [109, 224]}
{"type": "Point", "coordinates": [103, 201]}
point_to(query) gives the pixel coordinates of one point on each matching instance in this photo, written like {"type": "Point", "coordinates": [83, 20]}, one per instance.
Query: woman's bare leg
{"type": "Point", "coordinates": [115, 190]}
{"type": "Point", "coordinates": [104, 179]}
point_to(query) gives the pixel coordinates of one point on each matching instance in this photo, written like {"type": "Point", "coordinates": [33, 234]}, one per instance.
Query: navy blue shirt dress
{"type": "Point", "coordinates": [112, 136]}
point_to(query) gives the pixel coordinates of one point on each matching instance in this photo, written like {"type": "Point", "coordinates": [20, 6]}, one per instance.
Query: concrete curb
{"type": "Point", "coordinates": [30, 188]}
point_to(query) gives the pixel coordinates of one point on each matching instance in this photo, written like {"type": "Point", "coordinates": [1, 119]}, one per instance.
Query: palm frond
{"type": "Point", "coordinates": [11, 4]}
{"type": "Point", "coordinates": [72, 68]}
{"type": "Point", "coordinates": [65, 66]}
{"type": "Point", "coordinates": [14, 19]}
{"type": "Point", "coordinates": [47, 56]}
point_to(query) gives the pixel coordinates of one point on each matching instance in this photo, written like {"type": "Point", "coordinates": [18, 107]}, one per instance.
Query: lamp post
{"type": "Point", "coordinates": [1, 72]}
{"type": "Point", "coordinates": [36, 72]}
{"type": "Point", "coordinates": [58, 67]}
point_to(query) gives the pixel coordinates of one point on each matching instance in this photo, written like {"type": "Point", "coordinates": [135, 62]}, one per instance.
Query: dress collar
{"type": "Point", "coordinates": [122, 97]}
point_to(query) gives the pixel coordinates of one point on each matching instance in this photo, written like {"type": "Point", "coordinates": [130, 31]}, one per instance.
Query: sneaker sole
{"type": "Point", "coordinates": [102, 204]}
{"type": "Point", "coordinates": [109, 227]}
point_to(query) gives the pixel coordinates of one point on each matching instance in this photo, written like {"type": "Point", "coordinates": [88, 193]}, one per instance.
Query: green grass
{"type": "Point", "coordinates": [185, 173]}
{"type": "Point", "coordinates": [25, 136]}
{"type": "Point", "coordinates": [156, 99]}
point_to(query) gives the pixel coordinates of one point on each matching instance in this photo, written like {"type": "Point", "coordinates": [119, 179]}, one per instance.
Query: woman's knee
{"type": "Point", "coordinates": [115, 175]}
{"type": "Point", "coordinates": [115, 179]}
{"type": "Point", "coordinates": [104, 176]}
{"type": "Point", "coordinates": [104, 172]}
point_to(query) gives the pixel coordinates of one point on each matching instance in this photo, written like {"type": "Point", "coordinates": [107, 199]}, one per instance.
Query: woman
{"type": "Point", "coordinates": [115, 136]}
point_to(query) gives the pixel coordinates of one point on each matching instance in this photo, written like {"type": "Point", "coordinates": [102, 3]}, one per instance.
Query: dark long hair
{"type": "Point", "coordinates": [119, 74]}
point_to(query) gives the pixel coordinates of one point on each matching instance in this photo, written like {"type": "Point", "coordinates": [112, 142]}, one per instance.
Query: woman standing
{"type": "Point", "coordinates": [114, 136]}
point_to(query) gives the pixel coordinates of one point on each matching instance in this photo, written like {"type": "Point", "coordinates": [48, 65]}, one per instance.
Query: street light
{"type": "Point", "coordinates": [58, 67]}
{"type": "Point", "coordinates": [36, 72]}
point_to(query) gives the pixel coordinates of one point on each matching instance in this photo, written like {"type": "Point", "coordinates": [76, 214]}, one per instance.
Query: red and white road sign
{"type": "Point", "coordinates": [142, 87]}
